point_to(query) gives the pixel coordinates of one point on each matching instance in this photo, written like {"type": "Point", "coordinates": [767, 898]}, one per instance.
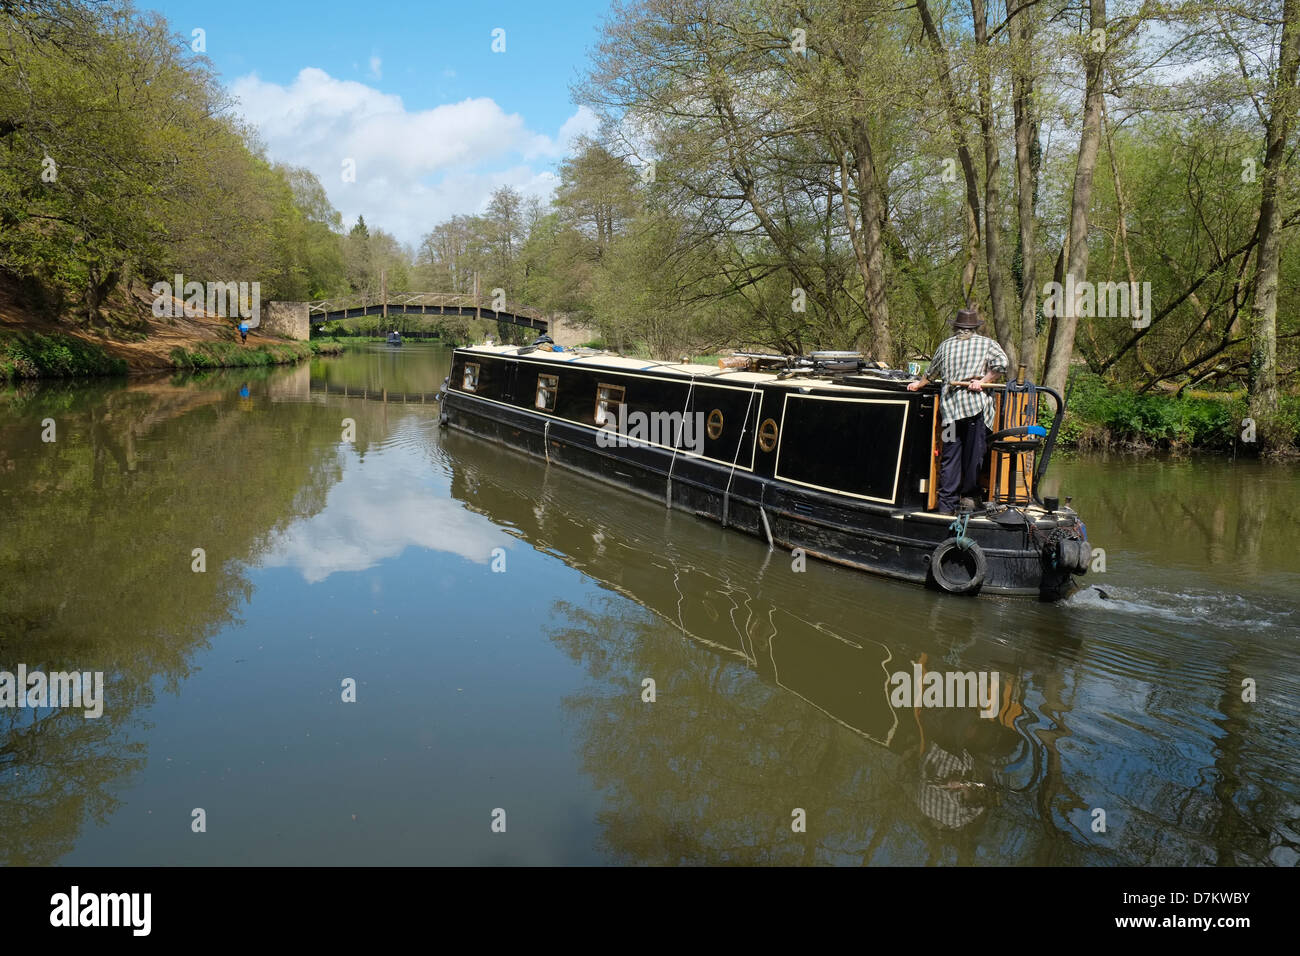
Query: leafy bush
{"type": "Point", "coordinates": [31, 355]}
{"type": "Point", "coordinates": [1101, 414]}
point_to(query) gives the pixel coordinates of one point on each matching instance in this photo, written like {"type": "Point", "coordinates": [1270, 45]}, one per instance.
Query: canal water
{"type": "Point", "coordinates": [547, 670]}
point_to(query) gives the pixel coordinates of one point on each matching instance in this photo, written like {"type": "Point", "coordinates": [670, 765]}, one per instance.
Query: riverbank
{"type": "Point", "coordinates": [1103, 416]}
{"type": "Point", "coordinates": [57, 355]}
{"type": "Point", "coordinates": [234, 355]}
{"type": "Point", "coordinates": [131, 340]}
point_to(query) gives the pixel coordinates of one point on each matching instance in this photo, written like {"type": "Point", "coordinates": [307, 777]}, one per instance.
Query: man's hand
{"type": "Point", "coordinates": [976, 385]}
{"type": "Point", "coordinates": [913, 386]}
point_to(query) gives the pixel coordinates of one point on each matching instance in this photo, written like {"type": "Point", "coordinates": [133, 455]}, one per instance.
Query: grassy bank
{"type": "Point", "coordinates": [1102, 415]}
{"type": "Point", "coordinates": [25, 355]}
{"type": "Point", "coordinates": [234, 355]}
{"type": "Point", "coordinates": [34, 355]}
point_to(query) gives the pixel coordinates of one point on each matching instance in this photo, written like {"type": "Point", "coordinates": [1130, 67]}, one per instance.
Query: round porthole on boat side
{"type": "Point", "coordinates": [714, 426]}
{"type": "Point", "coordinates": [767, 434]}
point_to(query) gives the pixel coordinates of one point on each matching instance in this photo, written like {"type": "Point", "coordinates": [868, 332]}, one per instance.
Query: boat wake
{"type": "Point", "coordinates": [1185, 607]}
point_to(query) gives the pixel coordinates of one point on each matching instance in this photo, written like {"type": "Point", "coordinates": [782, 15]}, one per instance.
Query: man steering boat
{"type": "Point", "coordinates": [966, 362]}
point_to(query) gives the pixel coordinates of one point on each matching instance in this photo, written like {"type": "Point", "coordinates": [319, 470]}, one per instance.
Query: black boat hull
{"type": "Point", "coordinates": [878, 540]}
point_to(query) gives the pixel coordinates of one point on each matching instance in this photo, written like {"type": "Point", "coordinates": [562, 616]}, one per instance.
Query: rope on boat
{"type": "Point", "coordinates": [744, 427]}
{"type": "Point", "coordinates": [668, 490]}
{"type": "Point", "coordinates": [959, 531]}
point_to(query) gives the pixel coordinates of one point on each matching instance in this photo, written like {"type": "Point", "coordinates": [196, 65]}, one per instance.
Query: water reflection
{"type": "Point", "coordinates": [771, 685]}
{"type": "Point", "coordinates": [373, 514]}
{"type": "Point", "coordinates": [1104, 705]}
{"type": "Point", "coordinates": [96, 569]}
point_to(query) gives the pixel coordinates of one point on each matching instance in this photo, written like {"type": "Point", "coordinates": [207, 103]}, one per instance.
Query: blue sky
{"type": "Point", "coordinates": [411, 93]}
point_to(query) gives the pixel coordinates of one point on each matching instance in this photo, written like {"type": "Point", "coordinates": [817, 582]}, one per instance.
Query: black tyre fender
{"type": "Point", "coordinates": [977, 563]}
{"type": "Point", "coordinates": [1075, 555]}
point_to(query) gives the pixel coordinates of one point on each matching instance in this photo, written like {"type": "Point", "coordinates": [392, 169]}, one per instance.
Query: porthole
{"type": "Point", "coordinates": [714, 426]}
{"type": "Point", "coordinates": [767, 434]}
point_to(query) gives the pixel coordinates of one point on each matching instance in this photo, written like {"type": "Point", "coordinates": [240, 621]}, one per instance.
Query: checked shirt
{"type": "Point", "coordinates": [961, 358]}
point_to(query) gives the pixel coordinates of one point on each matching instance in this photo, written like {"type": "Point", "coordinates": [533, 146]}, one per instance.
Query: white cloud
{"type": "Point", "coordinates": [378, 510]}
{"type": "Point", "coordinates": [376, 68]}
{"type": "Point", "coordinates": [413, 168]}
{"type": "Point", "coordinates": [581, 123]}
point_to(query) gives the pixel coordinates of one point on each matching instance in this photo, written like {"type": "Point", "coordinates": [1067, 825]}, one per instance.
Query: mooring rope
{"type": "Point", "coordinates": [726, 495]}
{"type": "Point", "coordinates": [668, 490]}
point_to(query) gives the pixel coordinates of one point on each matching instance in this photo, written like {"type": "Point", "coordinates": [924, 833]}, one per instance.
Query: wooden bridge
{"type": "Point", "coordinates": [425, 303]}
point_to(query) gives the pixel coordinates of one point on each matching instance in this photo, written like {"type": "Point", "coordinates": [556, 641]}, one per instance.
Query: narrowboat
{"type": "Point", "coordinates": [828, 454]}
{"type": "Point", "coordinates": [394, 338]}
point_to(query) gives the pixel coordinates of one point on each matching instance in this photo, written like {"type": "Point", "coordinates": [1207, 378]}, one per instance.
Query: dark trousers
{"type": "Point", "coordinates": [962, 459]}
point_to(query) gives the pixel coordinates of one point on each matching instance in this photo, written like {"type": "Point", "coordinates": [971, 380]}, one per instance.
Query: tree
{"type": "Point", "coordinates": [1060, 348]}
{"type": "Point", "coordinates": [1282, 100]}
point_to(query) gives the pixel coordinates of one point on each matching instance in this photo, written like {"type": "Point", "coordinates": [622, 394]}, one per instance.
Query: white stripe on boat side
{"type": "Point", "coordinates": [701, 380]}
{"type": "Point", "coordinates": [594, 428]}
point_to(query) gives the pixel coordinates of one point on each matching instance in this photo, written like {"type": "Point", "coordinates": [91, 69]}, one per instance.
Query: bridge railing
{"type": "Point", "coordinates": [425, 300]}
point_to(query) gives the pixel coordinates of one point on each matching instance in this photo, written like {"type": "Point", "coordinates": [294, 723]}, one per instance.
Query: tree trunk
{"type": "Point", "coordinates": [963, 151]}
{"type": "Point", "coordinates": [1028, 157]}
{"type": "Point", "coordinates": [992, 189]}
{"type": "Point", "coordinates": [868, 241]}
{"type": "Point", "coordinates": [1063, 326]}
{"type": "Point", "coordinates": [1263, 313]}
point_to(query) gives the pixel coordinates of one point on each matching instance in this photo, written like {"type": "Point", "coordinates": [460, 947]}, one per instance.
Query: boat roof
{"type": "Point", "coordinates": [594, 359]}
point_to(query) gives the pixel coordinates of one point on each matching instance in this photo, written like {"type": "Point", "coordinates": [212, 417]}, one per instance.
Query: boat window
{"type": "Point", "coordinates": [767, 434]}
{"type": "Point", "coordinates": [470, 381]}
{"type": "Point", "coordinates": [548, 386]}
{"type": "Point", "coordinates": [714, 426]}
{"type": "Point", "coordinates": [608, 400]}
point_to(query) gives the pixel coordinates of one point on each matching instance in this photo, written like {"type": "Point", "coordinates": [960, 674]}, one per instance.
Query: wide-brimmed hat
{"type": "Point", "coordinates": [967, 319]}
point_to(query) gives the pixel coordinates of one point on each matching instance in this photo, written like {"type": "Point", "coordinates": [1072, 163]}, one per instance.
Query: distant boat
{"type": "Point", "coordinates": [394, 338]}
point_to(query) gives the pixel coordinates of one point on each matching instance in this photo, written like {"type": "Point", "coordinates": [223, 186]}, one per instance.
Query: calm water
{"type": "Point", "coordinates": [500, 620]}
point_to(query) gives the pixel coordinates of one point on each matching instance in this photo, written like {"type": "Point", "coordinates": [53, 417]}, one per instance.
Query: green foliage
{"type": "Point", "coordinates": [759, 192]}
{"type": "Point", "coordinates": [121, 159]}
{"type": "Point", "coordinates": [1101, 414]}
{"type": "Point", "coordinates": [28, 355]}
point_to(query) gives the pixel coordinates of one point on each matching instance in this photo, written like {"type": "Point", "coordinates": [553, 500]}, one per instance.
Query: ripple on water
{"type": "Point", "coordinates": [1187, 607]}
